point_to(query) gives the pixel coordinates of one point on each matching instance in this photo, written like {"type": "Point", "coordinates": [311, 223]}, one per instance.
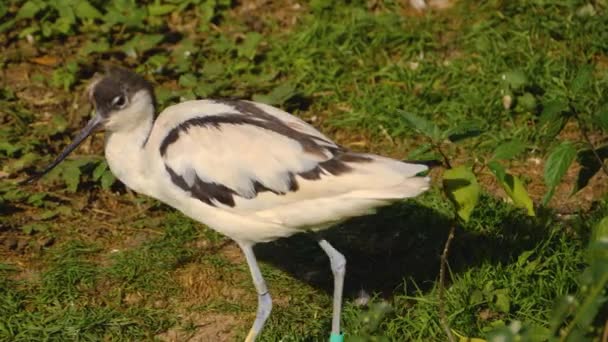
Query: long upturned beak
{"type": "Point", "coordinates": [94, 124]}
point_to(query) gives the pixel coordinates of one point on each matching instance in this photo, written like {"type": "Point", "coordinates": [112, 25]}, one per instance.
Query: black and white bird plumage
{"type": "Point", "coordinates": [248, 170]}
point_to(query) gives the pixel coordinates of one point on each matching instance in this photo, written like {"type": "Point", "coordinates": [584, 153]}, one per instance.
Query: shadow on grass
{"type": "Point", "coordinates": [404, 242]}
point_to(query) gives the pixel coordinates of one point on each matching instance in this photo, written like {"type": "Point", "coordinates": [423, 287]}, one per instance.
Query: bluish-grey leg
{"type": "Point", "coordinates": [264, 300]}
{"type": "Point", "coordinates": [338, 268]}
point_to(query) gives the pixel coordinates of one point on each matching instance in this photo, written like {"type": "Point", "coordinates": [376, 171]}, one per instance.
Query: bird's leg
{"type": "Point", "coordinates": [264, 300]}
{"type": "Point", "coordinates": [338, 268]}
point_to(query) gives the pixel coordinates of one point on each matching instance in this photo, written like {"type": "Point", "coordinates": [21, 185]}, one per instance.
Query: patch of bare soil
{"type": "Point", "coordinates": [258, 13]}
{"type": "Point", "coordinates": [205, 327]}
{"type": "Point", "coordinates": [202, 283]}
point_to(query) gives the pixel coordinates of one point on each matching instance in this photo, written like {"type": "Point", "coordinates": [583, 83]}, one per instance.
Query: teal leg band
{"type": "Point", "coordinates": [336, 337]}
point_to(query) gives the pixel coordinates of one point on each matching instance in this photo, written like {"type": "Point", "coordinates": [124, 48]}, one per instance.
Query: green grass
{"type": "Point", "coordinates": [355, 70]}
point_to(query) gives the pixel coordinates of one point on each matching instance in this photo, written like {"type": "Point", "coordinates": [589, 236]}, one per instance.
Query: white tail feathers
{"type": "Point", "coordinates": [411, 187]}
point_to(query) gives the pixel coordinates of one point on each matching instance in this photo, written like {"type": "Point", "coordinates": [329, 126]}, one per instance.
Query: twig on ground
{"type": "Point", "coordinates": [585, 134]}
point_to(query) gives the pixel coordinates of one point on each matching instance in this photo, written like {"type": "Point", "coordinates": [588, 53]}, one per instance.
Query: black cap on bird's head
{"type": "Point", "coordinates": [120, 98]}
{"type": "Point", "coordinates": [115, 89]}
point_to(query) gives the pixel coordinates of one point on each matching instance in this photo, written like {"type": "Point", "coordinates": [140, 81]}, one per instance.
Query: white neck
{"type": "Point", "coordinates": [125, 154]}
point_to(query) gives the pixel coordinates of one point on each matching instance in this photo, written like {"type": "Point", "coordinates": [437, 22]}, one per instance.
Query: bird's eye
{"type": "Point", "coordinates": [119, 101]}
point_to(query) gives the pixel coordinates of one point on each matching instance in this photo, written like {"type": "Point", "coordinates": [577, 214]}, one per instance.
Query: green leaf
{"type": "Point", "coordinates": [9, 149]}
{"type": "Point", "coordinates": [556, 166]}
{"type": "Point", "coordinates": [509, 150]}
{"type": "Point", "coordinates": [601, 117]}
{"type": "Point", "coordinates": [249, 46]}
{"type": "Point", "coordinates": [582, 80]}
{"type": "Point", "coordinates": [424, 152]}
{"type": "Point", "coordinates": [107, 180]}
{"type": "Point", "coordinates": [158, 9]}
{"type": "Point", "coordinates": [24, 161]}
{"type": "Point", "coordinates": [526, 102]}
{"type": "Point", "coordinates": [99, 170]}
{"type": "Point", "coordinates": [30, 9]}
{"type": "Point", "coordinates": [94, 46]}
{"type": "Point", "coordinates": [37, 199]}
{"type": "Point", "coordinates": [600, 231]}
{"type": "Point", "coordinates": [85, 10]}
{"type": "Point", "coordinates": [502, 300]}
{"type": "Point", "coordinates": [422, 125]}
{"type": "Point", "coordinates": [3, 9]}
{"type": "Point", "coordinates": [278, 95]}
{"type": "Point", "coordinates": [71, 176]}
{"type": "Point", "coordinates": [213, 69]}
{"type": "Point", "coordinates": [462, 131]}
{"type": "Point", "coordinates": [32, 228]}
{"type": "Point", "coordinates": [461, 187]}
{"type": "Point", "coordinates": [553, 117]}
{"type": "Point", "coordinates": [514, 79]}
{"type": "Point", "coordinates": [141, 43]}
{"type": "Point", "coordinates": [514, 188]}
{"type": "Point", "coordinates": [188, 80]}
{"type": "Point", "coordinates": [7, 24]}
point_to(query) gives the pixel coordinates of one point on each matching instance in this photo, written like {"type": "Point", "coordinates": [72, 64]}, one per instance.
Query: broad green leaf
{"type": "Point", "coordinates": [514, 79]}
{"type": "Point", "coordinates": [553, 117]}
{"type": "Point", "coordinates": [99, 170]}
{"type": "Point", "coordinates": [522, 259]}
{"type": "Point", "coordinates": [535, 333]}
{"type": "Point", "coordinates": [158, 9]}
{"type": "Point", "coordinates": [30, 9]}
{"type": "Point", "coordinates": [461, 187]}
{"type": "Point", "coordinates": [213, 69]}
{"type": "Point", "coordinates": [34, 227]}
{"type": "Point", "coordinates": [526, 102]}
{"type": "Point", "coordinates": [3, 9]}
{"type": "Point", "coordinates": [278, 95]}
{"type": "Point", "coordinates": [556, 166]}
{"type": "Point", "coordinates": [107, 180]}
{"type": "Point", "coordinates": [462, 338]}
{"type": "Point", "coordinates": [422, 125]}
{"type": "Point", "coordinates": [9, 149]}
{"type": "Point", "coordinates": [141, 43]}
{"type": "Point", "coordinates": [582, 80]}
{"type": "Point", "coordinates": [249, 46]}
{"type": "Point", "coordinates": [188, 80]}
{"type": "Point", "coordinates": [7, 24]}
{"type": "Point", "coordinates": [128, 12]}
{"type": "Point", "coordinates": [424, 152]}
{"type": "Point", "coordinates": [600, 231]}
{"type": "Point", "coordinates": [37, 199]}
{"type": "Point", "coordinates": [514, 188]}
{"type": "Point", "coordinates": [509, 150]}
{"type": "Point", "coordinates": [85, 10]}
{"type": "Point", "coordinates": [24, 161]}
{"type": "Point", "coordinates": [502, 300]}
{"type": "Point", "coordinates": [71, 176]}
{"type": "Point", "coordinates": [463, 131]}
{"type": "Point", "coordinates": [601, 117]}
{"type": "Point", "coordinates": [552, 110]}
{"type": "Point", "coordinates": [93, 46]}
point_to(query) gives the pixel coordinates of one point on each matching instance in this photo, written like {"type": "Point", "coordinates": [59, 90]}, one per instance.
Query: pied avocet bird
{"type": "Point", "coordinates": [248, 170]}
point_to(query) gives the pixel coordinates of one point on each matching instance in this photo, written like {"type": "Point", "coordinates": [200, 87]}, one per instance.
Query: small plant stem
{"type": "Point", "coordinates": [583, 129]}
{"type": "Point", "coordinates": [446, 160]}
{"type": "Point", "coordinates": [605, 334]}
{"type": "Point", "coordinates": [594, 292]}
{"type": "Point", "coordinates": [442, 269]}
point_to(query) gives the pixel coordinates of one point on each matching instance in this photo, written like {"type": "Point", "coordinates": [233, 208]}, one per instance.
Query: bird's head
{"type": "Point", "coordinates": [122, 100]}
